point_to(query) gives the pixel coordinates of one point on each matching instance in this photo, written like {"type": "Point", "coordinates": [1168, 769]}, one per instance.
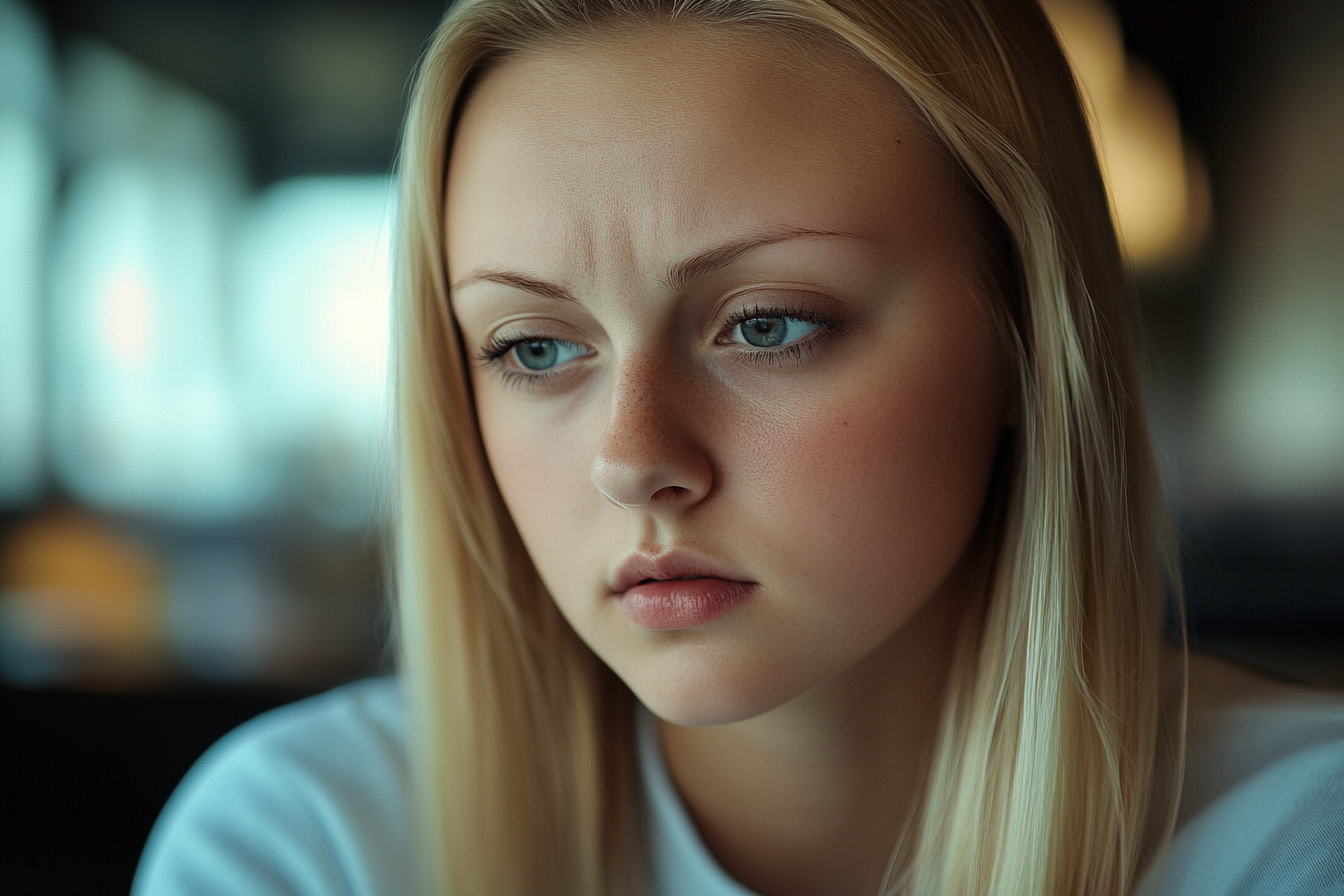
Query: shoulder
{"type": "Point", "coordinates": [309, 798]}
{"type": "Point", "coordinates": [1263, 801]}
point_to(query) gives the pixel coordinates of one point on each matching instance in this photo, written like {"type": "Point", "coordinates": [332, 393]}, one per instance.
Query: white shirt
{"type": "Point", "coordinates": [313, 800]}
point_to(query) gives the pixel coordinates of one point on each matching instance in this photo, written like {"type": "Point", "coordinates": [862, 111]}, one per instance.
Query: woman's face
{"type": "Point", "coordinates": [727, 321]}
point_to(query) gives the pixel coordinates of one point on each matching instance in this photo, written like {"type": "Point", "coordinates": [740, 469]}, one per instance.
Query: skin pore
{"type": "Point", "coordinates": [724, 302]}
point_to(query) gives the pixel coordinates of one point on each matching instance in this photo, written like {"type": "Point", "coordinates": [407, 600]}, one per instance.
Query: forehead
{"type": "Point", "coordinates": [650, 134]}
{"type": "Point", "coordinates": [661, 71]}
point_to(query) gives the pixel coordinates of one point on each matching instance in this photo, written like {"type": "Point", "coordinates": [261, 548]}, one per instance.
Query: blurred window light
{"type": "Point", "coordinates": [1272, 422]}
{"type": "Point", "coordinates": [27, 183]}
{"type": "Point", "coordinates": [1157, 185]}
{"type": "Point", "coordinates": [312, 337]}
{"type": "Point", "coordinates": [215, 357]}
{"type": "Point", "coordinates": [27, 178]}
{"type": "Point", "coordinates": [128, 321]}
{"type": "Point", "coordinates": [26, 81]}
{"type": "Point", "coordinates": [144, 416]}
{"type": "Point", "coordinates": [114, 106]}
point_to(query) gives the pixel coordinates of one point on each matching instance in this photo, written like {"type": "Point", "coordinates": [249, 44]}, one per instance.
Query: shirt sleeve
{"type": "Point", "coordinates": [309, 800]}
{"type": "Point", "coordinates": [1281, 831]}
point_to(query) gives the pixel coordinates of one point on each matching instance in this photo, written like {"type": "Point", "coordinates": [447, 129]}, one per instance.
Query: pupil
{"type": "Point", "coordinates": [764, 332]}
{"type": "Point", "coordinates": [538, 354]}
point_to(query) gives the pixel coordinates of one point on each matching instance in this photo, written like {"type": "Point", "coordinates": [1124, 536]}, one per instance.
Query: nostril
{"type": "Point", "coordinates": [670, 492]}
{"type": "Point", "coordinates": [664, 468]}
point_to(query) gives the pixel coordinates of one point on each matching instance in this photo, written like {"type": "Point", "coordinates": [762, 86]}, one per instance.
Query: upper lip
{"type": "Point", "coordinates": [674, 564]}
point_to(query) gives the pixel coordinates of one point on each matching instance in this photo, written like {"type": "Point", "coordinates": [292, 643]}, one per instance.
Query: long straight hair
{"type": "Point", "coordinates": [1045, 776]}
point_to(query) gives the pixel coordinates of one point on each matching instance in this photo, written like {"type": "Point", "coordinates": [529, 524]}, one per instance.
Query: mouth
{"type": "Point", "coordinates": [672, 566]}
{"type": "Point", "coordinates": [677, 590]}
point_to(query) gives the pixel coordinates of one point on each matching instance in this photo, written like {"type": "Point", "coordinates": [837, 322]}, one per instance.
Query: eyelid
{"type": "Point", "coordinates": [494, 356]}
{"type": "Point", "coordinates": [525, 328]}
{"type": "Point", "coordinates": [798, 302]}
{"type": "Point", "coordinates": [495, 352]}
{"type": "Point", "coordinates": [790, 311]}
{"type": "Point", "coordinates": [499, 347]}
{"type": "Point", "coordinates": [790, 353]}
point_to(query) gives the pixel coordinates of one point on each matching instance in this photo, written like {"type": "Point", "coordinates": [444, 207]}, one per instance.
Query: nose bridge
{"type": "Point", "coordinates": [648, 449]}
{"type": "Point", "coordinates": [642, 390]}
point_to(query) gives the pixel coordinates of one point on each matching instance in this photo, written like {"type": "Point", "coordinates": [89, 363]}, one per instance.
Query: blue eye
{"type": "Point", "coordinates": [543, 354]}
{"type": "Point", "coordinates": [770, 332]}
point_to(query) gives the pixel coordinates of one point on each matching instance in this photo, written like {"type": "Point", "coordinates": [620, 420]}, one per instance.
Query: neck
{"type": "Point", "coordinates": [811, 797]}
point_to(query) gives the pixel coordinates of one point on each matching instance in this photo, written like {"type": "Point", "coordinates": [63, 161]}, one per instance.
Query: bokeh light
{"type": "Point", "coordinates": [1157, 185]}
{"type": "Point", "coordinates": [27, 188]}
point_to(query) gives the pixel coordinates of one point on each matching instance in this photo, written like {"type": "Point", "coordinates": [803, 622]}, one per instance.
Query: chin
{"type": "Point", "coordinates": [699, 713]}
{"type": "Point", "coordinates": [698, 698]}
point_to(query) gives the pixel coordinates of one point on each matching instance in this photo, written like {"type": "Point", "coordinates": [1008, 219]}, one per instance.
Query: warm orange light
{"type": "Point", "coordinates": [1159, 199]}
{"type": "Point", "coordinates": [75, 584]}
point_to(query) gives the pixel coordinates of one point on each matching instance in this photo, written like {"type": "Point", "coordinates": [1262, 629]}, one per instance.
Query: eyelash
{"type": "Point", "coordinates": [492, 354]}
{"type": "Point", "coordinates": [794, 352]}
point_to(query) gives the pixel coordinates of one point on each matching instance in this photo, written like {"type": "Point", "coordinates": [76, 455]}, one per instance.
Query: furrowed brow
{"type": "Point", "coordinates": [679, 276]}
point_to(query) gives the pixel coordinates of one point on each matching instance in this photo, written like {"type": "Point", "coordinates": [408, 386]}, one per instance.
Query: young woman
{"type": "Point", "coordinates": [776, 507]}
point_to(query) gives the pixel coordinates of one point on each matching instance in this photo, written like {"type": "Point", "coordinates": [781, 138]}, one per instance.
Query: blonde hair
{"type": "Point", "coordinates": [1045, 769]}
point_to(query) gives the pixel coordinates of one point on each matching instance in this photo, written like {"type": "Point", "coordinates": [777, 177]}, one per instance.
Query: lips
{"type": "Point", "coordinates": [641, 568]}
{"type": "Point", "coordinates": [677, 590]}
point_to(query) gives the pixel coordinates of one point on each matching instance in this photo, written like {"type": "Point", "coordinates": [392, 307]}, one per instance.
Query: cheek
{"type": "Point", "coordinates": [878, 482]}
{"type": "Point", "coordinates": [543, 469]}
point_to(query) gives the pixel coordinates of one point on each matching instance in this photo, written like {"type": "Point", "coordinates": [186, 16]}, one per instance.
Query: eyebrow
{"type": "Point", "coordinates": [679, 275]}
{"type": "Point", "coordinates": [517, 281]}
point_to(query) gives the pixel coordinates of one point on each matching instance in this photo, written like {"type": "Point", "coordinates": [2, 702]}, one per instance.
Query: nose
{"type": "Point", "coordinates": [650, 454]}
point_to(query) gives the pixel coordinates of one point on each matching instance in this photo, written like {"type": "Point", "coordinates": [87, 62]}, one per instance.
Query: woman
{"type": "Point", "coordinates": [776, 511]}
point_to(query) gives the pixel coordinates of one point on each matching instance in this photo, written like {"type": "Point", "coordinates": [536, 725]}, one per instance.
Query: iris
{"type": "Point", "coordinates": [769, 332]}
{"type": "Point", "coordinates": [543, 354]}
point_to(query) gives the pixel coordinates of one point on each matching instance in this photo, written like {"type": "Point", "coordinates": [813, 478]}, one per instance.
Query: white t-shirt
{"type": "Point", "coordinates": [313, 800]}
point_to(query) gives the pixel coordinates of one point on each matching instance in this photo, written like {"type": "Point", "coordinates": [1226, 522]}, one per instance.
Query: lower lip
{"type": "Point", "coordinates": [682, 603]}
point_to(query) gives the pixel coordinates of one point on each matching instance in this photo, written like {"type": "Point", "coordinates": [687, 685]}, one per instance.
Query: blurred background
{"type": "Point", "coordinates": [195, 207]}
